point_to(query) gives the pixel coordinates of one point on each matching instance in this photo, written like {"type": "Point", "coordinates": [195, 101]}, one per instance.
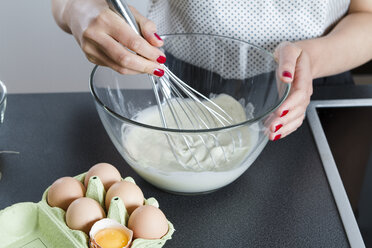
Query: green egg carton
{"type": "Point", "coordinates": [37, 225]}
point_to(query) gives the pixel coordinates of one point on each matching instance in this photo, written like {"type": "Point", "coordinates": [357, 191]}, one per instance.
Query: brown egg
{"type": "Point", "coordinates": [148, 222]}
{"type": "Point", "coordinates": [107, 173]}
{"type": "Point", "coordinates": [83, 213]}
{"type": "Point", "coordinates": [128, 192]}
{"type": "Point", "coordinates": [64, 191]}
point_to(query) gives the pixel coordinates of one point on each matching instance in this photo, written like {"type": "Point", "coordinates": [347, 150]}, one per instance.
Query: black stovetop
{"type": "Point", "coordinates": [349, 134]}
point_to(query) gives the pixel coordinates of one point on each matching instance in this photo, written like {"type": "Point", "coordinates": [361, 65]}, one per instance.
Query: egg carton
{"type": "Point", "coordinates": [37, 225]}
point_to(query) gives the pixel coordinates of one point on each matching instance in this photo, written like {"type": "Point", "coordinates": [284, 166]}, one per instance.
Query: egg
{"type": "Point", "coordinates": [148, 222]}
{"type": "Point", "coordinates": [83, 213]}
{"type": "Point", "coordinates": [107, 173]}
{"type": "Point", "coordinates": [64, 191]}
{"type": "Point", "coordinates": [128, 192]}
{"type": "Point", "coordinates": [108, 233]}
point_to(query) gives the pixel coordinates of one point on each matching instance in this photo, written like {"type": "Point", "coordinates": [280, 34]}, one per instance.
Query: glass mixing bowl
{"type": "Point", "coordinates": [244, 79]}
{"type": "Point", "coordinates": [2, 101]}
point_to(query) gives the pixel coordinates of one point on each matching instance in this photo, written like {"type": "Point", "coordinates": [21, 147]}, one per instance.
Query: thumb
{"type": "Point", "coordinates": [148, 29]}
{"type": "Point", "coordinates": [287, 55]}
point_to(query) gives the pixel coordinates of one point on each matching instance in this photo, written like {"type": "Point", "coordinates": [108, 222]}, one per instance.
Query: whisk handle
{"type": "Point", "coordinates": [121, 8]}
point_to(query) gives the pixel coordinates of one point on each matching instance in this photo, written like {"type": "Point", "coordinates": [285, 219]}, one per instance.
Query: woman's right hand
{"type": "Point", "coordinates": [105, 38]}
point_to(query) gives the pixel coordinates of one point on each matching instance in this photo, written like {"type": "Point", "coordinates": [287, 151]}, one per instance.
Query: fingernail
{"type": "Point", "coordinates": [277, 127]}
{"type": "Point", "coordinates": [284, 113]}
{"type": "Point", "coordinates": [161, 59]}
{"type": "Point", "coordinates": [287, 74]}
{"type": "Point", "coordinates": [277, 137]}
{"type": "Point", "coordinates": [157, 36]}
{"type": "Point", "coordinates": [158, 72]}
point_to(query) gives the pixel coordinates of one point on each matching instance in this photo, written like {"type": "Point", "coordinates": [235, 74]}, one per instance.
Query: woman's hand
{"type": "Point", "coordinates": [295, 68]}
{"type": "Point", "coordinates": [105, 38]}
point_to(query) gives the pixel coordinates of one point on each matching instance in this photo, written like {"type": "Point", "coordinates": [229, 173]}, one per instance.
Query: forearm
{"type": "Point", "coordinates": [347, 46]}
{"type": "Point", "coordinates": [58, 10]}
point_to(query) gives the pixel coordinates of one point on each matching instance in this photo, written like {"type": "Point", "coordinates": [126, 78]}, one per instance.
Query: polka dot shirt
{"type": "Point", "coordinates": [264, 23]}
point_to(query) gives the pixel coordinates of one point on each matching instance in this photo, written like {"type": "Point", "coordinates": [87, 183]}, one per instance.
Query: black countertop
{"type": "Point", "coordinates": [282, 200]}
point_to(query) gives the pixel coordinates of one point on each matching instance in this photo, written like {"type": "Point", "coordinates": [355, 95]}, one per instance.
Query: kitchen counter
{"type": "Point", "coordinates": [282, 200]}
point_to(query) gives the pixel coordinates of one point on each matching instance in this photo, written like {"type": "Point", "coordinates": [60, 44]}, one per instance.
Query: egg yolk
{"type": "Point", "coordinates": [111, 238]}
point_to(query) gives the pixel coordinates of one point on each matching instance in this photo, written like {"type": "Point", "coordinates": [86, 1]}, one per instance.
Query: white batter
{"type": "Point", "coordinates": [196, 162]}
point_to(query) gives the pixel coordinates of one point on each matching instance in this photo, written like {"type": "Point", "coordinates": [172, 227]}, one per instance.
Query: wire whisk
{"type": "Point", "coordinates": [182, 107]}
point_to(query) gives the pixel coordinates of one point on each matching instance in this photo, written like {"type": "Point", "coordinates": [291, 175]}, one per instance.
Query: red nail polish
{"type": "Point", "coordinates": [277, 127]}
{"type": "Point", "coordinates": [287, 74]}
{"type": "Point", "coordinates": [161, 59]}
{"type": "Point", "coordinates": [157, 36]}
{"type": "Point", "coordinates": [284, 113]}
{"type": "Point", "coordinates": [158, 72]}
{"type": "Point", "coordinates": [277, 137]}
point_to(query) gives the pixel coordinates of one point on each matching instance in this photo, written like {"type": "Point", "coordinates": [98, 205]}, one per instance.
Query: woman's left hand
{"type": "Point", "coordinates": [295, 68]}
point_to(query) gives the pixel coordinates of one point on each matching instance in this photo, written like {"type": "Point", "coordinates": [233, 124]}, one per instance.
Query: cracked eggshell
{"type": "Point", "coordinates": [108, 224]}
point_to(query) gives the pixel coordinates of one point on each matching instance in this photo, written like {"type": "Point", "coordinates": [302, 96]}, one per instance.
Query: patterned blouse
{"type": "Point", "coordinates": [264, 23]}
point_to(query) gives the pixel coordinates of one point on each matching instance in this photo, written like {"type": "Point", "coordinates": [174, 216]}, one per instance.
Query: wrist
{"type": "Point", "coordinates": [58, 10]}
{"type": "Point", "coordinates": [78, 15]}
{"type": "Point", "coordinates": [65, 14]}
{"type": "Point", "coordinates": [308, 48]}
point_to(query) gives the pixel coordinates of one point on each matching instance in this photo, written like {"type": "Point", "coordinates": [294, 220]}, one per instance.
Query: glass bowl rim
{"type": "Point", "coordinates": [173, 130]}
{"type": "Point", "coordinates": [3, 93]}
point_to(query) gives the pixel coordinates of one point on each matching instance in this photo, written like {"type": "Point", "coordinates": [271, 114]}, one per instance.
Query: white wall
{"type": "Point", "coordinates": [35, 55]}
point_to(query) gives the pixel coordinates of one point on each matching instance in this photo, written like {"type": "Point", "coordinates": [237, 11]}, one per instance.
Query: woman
{"type": "Point", "coordinates": [310, 39]}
